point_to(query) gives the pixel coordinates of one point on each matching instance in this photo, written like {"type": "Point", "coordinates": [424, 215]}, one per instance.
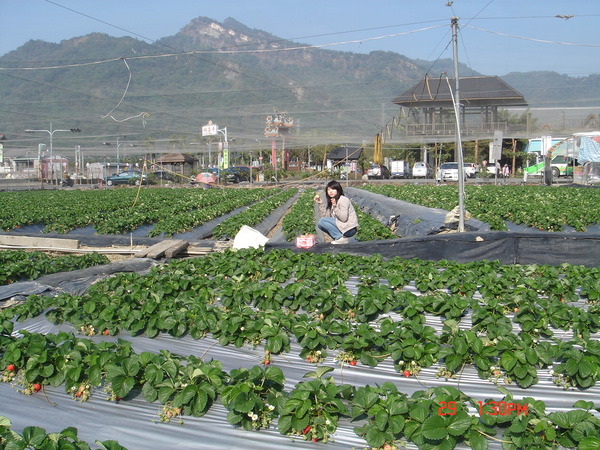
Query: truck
{"type": "Point", "coordinates": [400, 169]}
{"type": "Point", "coordinates": [561, 152]}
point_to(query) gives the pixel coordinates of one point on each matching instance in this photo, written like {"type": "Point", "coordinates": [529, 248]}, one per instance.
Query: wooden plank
{"type": "Point", "coordinates": [158, 250]}
{"type": "Point", "coordinates": [176, 248]}
{"type": "Point", "coordinates": [38, 242]}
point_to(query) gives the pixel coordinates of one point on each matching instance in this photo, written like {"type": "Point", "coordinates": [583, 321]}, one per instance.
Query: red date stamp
{"type": "Point", "coordinates": [490, 408]}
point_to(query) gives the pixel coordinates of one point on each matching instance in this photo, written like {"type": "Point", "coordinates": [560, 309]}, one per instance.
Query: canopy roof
{"type": "Point", "coordinates": [474, 91]}
{"type": "Point", "coordinates": [341, 153]}
{"type": "Point", "coordinates": [176, 158]}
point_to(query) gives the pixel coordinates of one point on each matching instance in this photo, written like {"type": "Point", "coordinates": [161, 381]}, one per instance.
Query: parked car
{"type": "Point", "coordinates": [449, 171]}
{"type": "Point", "coordinates": [422, 170]}
{"type": "Point", "coordinates": [471, 169]}
{"type": "Point", "coordinates": [127, 177]}
{"type": "Point", "coordinates": [235, 174]}
{"type": "Point", "coordinates": [162, 175]}
{"type": "Point", "coordinates": [378, 171]}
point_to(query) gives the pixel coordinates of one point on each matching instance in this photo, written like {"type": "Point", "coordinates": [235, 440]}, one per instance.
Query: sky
{"type": "Point", "coordinates": [495, 37]}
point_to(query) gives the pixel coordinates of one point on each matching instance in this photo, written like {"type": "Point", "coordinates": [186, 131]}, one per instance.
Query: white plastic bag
{"type": "Point", "coordinates": [248, 237]}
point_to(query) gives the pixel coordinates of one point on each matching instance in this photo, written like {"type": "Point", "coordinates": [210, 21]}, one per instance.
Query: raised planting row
{"type": "Point", "coordinates": [18, 265]}
{"type": "Point", "coordinates": [37, 438]}
{"type": "Point", "coordinates": [541, 207]}
{"type": "Point", "coordinates": [270, 299]}
{"type": "Point", "coordinates": [253, 215]}
{"type": "Point", "coordinates": [118, 211]}
{"type": "Point", "coordinates": [505, 323]}
{"type": "Point", "coordinates": [256, 398]}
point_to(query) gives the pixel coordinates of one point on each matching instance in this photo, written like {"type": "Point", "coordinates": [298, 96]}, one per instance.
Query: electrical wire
{"type": "Point", "coordinates": [545, 41]}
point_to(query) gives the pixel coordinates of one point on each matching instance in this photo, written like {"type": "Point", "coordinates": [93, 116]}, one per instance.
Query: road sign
{"type": "Point", "coordinates": [496, 153]}
{"type": "Point", "coordinates": [210, 129]}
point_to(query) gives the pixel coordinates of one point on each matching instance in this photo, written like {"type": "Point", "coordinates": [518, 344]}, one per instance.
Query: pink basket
{"type": "Point", "coordinates": [306, 241]}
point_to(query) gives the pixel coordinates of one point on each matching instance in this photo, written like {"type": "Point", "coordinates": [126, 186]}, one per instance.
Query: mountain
{"type": "Point", "coordinates": [163, 93]}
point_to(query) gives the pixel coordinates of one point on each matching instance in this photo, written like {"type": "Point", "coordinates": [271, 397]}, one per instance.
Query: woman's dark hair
{"type": "Point", "coordinates": [338, 187]}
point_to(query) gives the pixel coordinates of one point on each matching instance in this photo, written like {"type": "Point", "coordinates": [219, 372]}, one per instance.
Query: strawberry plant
{"type": "Point", "coordinates": [579, 367]}
{"type": "Point", "coordinates": [253, 396]}
{"type": "Point", "coordinates": [313, 408]}
{"type": "Point", "coordinates": [251, 216]}
{"type": "Point", "coordinates": [412, 345]}
{"type": "Point", "coordinates": [520, 358]}
{"type": "Point", "coordinates": [384, 409]}
{"type": "Point", "coordinates": [300, 219]}
{"type": "Point", "coordinates": [372, 229]}
{"type": "Point", "coordinates": [364, 343]}
{"type": "Point", "coordinates": [465, 347]}
{"type": "Point", "coordinates": [36, 437]}
{"type": "Point", "coordinates": [20, 265]}
{"type": "Point", "coordinates": [498, 204]}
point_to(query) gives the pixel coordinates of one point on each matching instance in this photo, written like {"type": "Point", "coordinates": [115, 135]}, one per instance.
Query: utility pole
{"type": "Point", "coordinates": [457, 112]}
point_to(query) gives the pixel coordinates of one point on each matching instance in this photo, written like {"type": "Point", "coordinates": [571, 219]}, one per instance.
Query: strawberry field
{"type": "Point", "coordinates": [169, 212]}
{"type": "Point", "coordinates": [283, 348]}
{"type": "Point", "coordinates": [351, 351]}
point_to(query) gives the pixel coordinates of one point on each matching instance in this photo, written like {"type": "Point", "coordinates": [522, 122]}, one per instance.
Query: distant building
{"type": "Point", "coordinates": [431, 107]}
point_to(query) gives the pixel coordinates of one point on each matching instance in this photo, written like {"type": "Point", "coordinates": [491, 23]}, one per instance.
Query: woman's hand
{"type": "Point", "coordinates": [332, 201]}
{"type": "Point", "coordinates": [317, 198]}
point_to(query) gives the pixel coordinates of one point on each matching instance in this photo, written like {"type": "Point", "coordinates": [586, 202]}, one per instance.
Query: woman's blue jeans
{"type": "Point", "coordinates": [327, 224]}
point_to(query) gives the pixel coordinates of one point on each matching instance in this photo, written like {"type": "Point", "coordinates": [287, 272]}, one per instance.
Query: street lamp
{"type": "Point", "coordinates": [118, 157]}
{"type": "Point", "coordinates": [212, 129]}
{"type": "Point", "coordinates": [51, 133]}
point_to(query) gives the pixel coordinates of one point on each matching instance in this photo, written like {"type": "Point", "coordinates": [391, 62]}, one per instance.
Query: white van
{"type": "Point", "coordinates": [400, 169]}
{"type": "Point", "coordinates": [422, 170]}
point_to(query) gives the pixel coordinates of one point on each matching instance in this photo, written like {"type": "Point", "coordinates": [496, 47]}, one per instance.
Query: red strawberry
{"type": "Point", "coordinates": [266, 362]}
{"type": "Point", "coordinates": [118, 398]}
{"type": "Point", "coordinates": [314, 439]}
{"type": "Point", "coordinates": [306, 430]}
{"type": "Point", "coordinates": [353, 362]}
{"type": "Point", "coordinates": [106, 332]}
{"type": "Point", "coordinates": [36, 387]}
{"type": "Point", "coordinates": [406, 373]}
{"type": "Point", "coordinates": [10, 367]}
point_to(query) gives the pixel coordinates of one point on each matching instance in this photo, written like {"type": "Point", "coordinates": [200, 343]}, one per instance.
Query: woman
{"type": "Point", "coordinates": [338, 216]}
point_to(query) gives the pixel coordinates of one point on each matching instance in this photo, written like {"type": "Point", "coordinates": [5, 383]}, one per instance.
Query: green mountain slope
{"type": "Point", "coordinates": [225, 72]}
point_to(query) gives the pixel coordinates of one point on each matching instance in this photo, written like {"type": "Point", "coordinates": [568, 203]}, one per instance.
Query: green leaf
{"type": "Point", "coordinates": [419, 412]}
{"type": "Point", "coordinates": [318, 372]}
{"type": "Point", "coordinates": [375, 438]}
{"type": "Point", "coordinates": [110, 445]}
{"type": "Point", "coordinates": [589, 443]}
{"type": "Point", "coordinates": [508, 360]}
{"type": "Point", "coordinates": [585, 368]}
{"type": "Point", "coordinates": [381, 419]}
{"type": "Point", "coordinates": [188, 394]}
{"type": "Point", "coordinates": [459, 423]}
{"type": "Point", "coordinates": [149, 392]}
{"type": "Point", "coordinates": [34, 436]}
{"type": "Point", "coordinates": [477, 441]}
{"type": "Point", "coordinates": [201, 402]}
{"type": "Point", "coordinates": [434, 428]}
{"type": "Point", "coordinates": [568, 419]}
{"type": "Point", "coordinates": [165, 393]}
{"type": "Point", "coordinates": [284, 424]}
{"type": "Point", "coordinates": [122, 385]}
{"type": "Point", "coordinates": [243, 402]}
{"type": "Point", "coordinates": [583, 404]}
